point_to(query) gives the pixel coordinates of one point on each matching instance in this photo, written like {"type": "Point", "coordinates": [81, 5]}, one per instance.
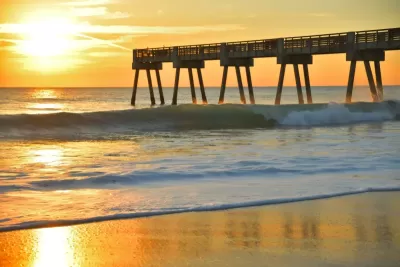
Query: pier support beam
{"type": "Point", "coordinates": [137, 66]}
{"type": "Point", "coordinates": [227, 62]}
{"type": "Point", "coordinates": [190, 65]}
{"type": "Point", "coordinates": [295, 60]}
{"type": "Point", "coordinates": [366, 56]}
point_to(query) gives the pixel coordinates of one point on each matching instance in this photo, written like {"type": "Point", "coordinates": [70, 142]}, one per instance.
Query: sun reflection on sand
{"type": "Point", "coordinates": [54, 247]}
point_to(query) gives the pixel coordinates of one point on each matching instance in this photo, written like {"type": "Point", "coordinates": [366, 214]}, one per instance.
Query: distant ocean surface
{"type": "Point", "coordinates": [70, 155]}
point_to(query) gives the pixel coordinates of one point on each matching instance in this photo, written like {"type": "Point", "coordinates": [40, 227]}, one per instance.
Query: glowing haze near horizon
{"type": "Point", "coordinates": [88, 42]}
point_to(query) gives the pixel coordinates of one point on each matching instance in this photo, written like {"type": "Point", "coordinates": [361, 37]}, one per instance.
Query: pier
{"type": "Point", "coordinates": [363, 46]}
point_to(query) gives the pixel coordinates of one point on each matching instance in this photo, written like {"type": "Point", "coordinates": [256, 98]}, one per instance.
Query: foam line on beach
{"type": "Point", "coordinates": [59, 223]}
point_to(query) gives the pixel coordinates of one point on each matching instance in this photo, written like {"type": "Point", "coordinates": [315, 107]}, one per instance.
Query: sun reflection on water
{"type": "Point", "coordinates": [44, 93]}
{"type": "Point", "coordinates": [49, 157]}
{"type": "Point", "coordinates": [54, 247]}
{"type": "Point", "coordinates": [44, 101]}
{"type": "Point", "coordinates": [46, 106]}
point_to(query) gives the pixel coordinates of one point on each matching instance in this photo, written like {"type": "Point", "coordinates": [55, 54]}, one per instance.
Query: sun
{"type": "Point", "coordinates": [50, 37]}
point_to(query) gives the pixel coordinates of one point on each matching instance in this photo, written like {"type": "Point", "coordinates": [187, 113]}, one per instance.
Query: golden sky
{"type": "Point", "coordinates": [82, 43]}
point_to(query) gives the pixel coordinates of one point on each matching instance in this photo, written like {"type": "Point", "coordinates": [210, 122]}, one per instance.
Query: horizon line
{"type": "Point", "coordinates": [146, 87]}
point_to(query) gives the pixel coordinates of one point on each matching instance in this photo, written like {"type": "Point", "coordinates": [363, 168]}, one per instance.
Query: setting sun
{"type": "Point", "coordinates": [46, 38]}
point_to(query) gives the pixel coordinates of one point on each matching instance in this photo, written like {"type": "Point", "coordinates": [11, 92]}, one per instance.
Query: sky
{"type": "Point", "coordinates": [80, 43]}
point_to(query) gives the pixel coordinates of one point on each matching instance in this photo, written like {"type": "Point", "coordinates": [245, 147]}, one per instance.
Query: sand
{"type": "Point", "coordinates": [357, 230]}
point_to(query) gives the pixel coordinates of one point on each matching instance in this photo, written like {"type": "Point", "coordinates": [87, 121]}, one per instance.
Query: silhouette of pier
{"type": "Point", "coordinates": [363, 46]}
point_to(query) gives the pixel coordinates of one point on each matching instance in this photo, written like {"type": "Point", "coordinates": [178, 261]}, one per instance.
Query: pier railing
{"type": "Point", "coordinates": [199, 52]}
{"type": "Point", "coordinates": [374, 36]}
{"type": "Point", "coordinates": [317, 44]}
{"type": "Point", "coordinates": [388, 39]}
{"type": "Point", "coordinates": [378, 38]}
{"type": "Point", "coordinates": [163, 54]}
{"type": "Point", "coordinates": [254, 48]}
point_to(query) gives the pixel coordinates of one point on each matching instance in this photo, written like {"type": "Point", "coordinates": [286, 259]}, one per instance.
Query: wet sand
{"type": "Point", "coordinates": [357, 230]}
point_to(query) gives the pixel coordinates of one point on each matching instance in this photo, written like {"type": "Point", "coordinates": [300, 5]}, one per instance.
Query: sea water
{"type": "Point", "coordinates": [71, 155]}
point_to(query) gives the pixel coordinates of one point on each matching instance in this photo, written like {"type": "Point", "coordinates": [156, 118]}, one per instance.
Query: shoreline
{"type": "Point", "coordinates": [224, 207]}
{"type": "Point", "coordinates": [354, 230]}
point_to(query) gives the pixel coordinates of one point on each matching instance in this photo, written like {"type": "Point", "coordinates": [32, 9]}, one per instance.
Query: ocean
{"type": "Point", "coordinates": [75, 155]}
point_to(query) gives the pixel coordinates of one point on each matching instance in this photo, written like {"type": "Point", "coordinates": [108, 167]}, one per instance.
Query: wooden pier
{"type": "Point", "coordinates": [363, 46]}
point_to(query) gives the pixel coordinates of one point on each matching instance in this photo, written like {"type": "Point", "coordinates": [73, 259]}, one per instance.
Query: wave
{"type": "Point", "coordinates": [205, 208]}
{"type": "Point", "coordinates": [116, 181]}
{"type": "Point", "coordinates": [199, 117]}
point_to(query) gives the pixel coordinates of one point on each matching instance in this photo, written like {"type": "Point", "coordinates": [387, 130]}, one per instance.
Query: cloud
{"type": "Point", "coordinates": [125, 29]}
{"type": "Point", "coordinates": [88, 11]}
{"type": "Point", "coordinates": [94, 8]}
{"type": "Point", "coordinates": [321, 15]}
{"type": "Point", "coordinates": [101, 11]}
{"type": "Point", "coordinates": [86, 3]}
{"type": "Point", "coordinates": [117, 15]}
{"type": "Point", "coordinates": [7, 42]}
{"type": "Point", "coordinates": [87, 28]}
{"type": "Point", "coordinates": [128, 38]}
{"type": "Point", "coordinates": [106, 54]}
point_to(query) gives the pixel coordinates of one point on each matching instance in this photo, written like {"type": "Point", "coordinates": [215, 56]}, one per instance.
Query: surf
{"type": "Point", "coordinates": [198, 117]}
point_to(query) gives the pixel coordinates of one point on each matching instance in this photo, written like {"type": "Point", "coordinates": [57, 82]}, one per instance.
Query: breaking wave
{"type": "Point", "coordinates": [198, 117]}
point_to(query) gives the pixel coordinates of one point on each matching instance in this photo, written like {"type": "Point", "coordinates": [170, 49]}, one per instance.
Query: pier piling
{"type": "Point", "coordinates": [176, 86]}
{"type": "Point", "coordinates": [152, 99]}
{"type": "Point", "coordinates": [298, 83]}
{"type": "Point", "coordinates": [250, 85]}
{"type": "Point", "coordinates": [160, 89]}
{"type": "Point", "coordinates": [135, 85]}
{"type": "Point", "coordinates": [350, 83]}
{"type": "Point", "coordinates": [307, 83]}
{"type": "Point", "coordinates": [192, 89]}
{"type": "Point", "coordinates": [371, 81]}
{"type": "Point", "coordinates": [240, 84]}
{"type": "Point", "coordinates": [379, 83]}
{"type": "Point", "coordinates": [202, 90]}
{"type": "Point", "coordinates": [280, 85]}
{"type": "Point", "coordinates": [223, 85]}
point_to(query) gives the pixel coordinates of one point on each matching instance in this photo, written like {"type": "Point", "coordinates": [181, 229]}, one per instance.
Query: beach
{"type": "Point", "coordinates": [354, 230]}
